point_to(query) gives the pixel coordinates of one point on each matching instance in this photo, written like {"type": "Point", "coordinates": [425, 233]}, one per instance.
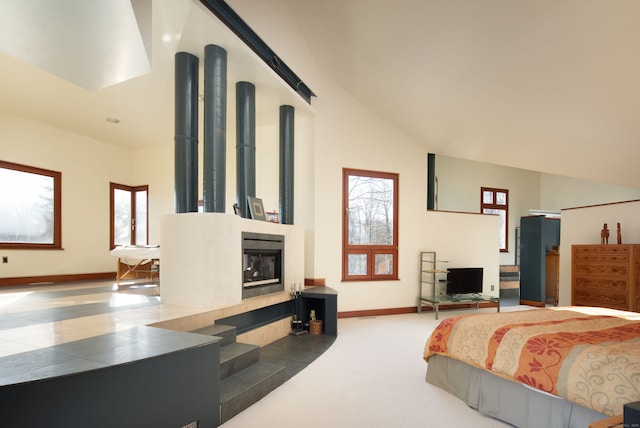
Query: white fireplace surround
{"type": "Point", "coordinates": [201, 257]}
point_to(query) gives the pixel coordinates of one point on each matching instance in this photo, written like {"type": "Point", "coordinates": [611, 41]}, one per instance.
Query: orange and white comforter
{"type": "Point", "coordinates": [590, 356]}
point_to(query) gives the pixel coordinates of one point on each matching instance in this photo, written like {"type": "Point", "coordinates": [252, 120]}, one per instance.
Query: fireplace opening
{"type": "Point", "coordinates": [262, 264]}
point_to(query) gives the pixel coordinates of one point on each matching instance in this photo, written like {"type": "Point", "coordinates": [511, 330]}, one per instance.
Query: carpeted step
{"type": "Point", "coordinates": [226, 332]}
{"type": "Point", "coordinates": [237, 356]}
{"type": "Point", "coordinates": [248, 386]}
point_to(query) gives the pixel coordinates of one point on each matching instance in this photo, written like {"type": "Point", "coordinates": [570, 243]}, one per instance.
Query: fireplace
{"type": "Point", "coordinates": [262, 264]}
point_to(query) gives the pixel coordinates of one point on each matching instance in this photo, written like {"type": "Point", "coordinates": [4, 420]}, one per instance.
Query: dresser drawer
{"type": "Point", "coordinates": [614, 254]}
{"type": "Point", "coordinates": [614, 258]}
{"type": "Point", "coordinates": [588, 297]}
{"type": "Point", "coordinates": [586, 257]}
{"type": "Point", "coordinates": [601, 285]}
{"type": "Point", "coordinates": [585, 250]}
{"type": "Point", "coordinates": [601, 269]}
{"type": "Point", "coordinates": [614, 249]}
{"type": "Point", "coordinates": [586, 254]}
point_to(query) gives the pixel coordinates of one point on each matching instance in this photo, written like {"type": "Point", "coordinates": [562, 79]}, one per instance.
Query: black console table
{"type": "Point", "coordinates": [324, 301]}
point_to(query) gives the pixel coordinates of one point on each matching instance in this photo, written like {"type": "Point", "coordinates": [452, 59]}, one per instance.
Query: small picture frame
{"type": "Point", "coordinates": [273, 217]}
{"type": "Point", "coordinates": [236, 210]}
{"type": "Point", "coordinates": [256, 209]}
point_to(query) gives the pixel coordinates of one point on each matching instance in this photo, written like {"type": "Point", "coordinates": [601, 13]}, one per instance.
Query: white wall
{"type": "Point", "coordinates": [344, 133]}
{"type": "Point", "coordinates": [558, 192]}
{"type": "Point", "coordinates": [459, 183]}
{"type": "Point", "coordinates": [583, 225]}
{"type": "Point", "coordinates": [154, 167]}
{"type": "Point", "coordinates": [464, 240]}
{"type": "Point", "coordinates": [348, 135]}
{"type": "Point", "coordinates": [87, 167]}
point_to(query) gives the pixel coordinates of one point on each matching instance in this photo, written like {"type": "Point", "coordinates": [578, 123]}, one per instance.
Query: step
{"type": "Point", "coordinates": [237, 356]}
{"type": "Point", "coordinates": [248, 386]}
{"type": "Point", "coordinates": [226, 332]}
{"type": "Point", "coordinates": [509, 276]}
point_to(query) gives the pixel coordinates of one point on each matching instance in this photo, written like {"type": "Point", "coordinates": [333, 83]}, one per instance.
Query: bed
{"type": "Point", "coordinates": [137, 261]}
{"type": "Point", "coordinates": [548, 367]}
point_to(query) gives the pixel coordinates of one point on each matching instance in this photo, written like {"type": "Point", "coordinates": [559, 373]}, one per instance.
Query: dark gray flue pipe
{"type": "Point", "coordinates": [431, 181]}
{"type": "Point", "coordinates": [215, 128]}
{"type": "Point", "coordinates": [287, 116]}
{"type": "Point", "coordinates": [245, 144]}
{"type": "Point", "coordinates": [186, 132]}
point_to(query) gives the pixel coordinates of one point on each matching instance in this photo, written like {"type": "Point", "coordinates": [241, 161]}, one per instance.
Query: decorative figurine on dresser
{"type": "Point", "coordinates": [619, 234]}
{"type": "Point", "coordinates": [604, 235]}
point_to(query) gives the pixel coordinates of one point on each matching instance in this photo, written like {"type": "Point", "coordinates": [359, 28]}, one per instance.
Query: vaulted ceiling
{"type": "Point", "coordinates": [546, 85]}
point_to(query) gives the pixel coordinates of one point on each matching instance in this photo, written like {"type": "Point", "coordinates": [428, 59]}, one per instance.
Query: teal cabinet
{"type": "Point", "coordinates": [538, 235]}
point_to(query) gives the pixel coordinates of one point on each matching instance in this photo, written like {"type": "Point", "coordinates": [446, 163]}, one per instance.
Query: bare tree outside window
{"type": "Point", "coordinates": [370, 225]}
{"type": "Point", "coordinates": [29, 207]}
{"type": "Point", "coordinates": [129, 215]}
{"type": "Point", "coordinates": [370, 211]}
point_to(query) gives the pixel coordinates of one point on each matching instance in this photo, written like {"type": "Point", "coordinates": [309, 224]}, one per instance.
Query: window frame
{"type": "Point", "coordinates": [371, 251]}
{"type": "Point", "coordinates": [496, 206]}
{"type": "Point", "coordinates": [57, 208]}
{"type": "Point", "coordinates": [133, 190]}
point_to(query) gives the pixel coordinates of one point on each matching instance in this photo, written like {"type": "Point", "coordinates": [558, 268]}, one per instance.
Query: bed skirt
{"type": "Point", "coordinates": [505, 400]}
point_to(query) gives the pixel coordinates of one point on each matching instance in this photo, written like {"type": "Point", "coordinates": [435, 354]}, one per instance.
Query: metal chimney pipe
{"type": "Point", "coordinates": [287, 116]}
{"type": "Point", "coordinates": [215, 128]}
{"type": "Point", "coordinates": [186, 132]}
{"type": "Point", "coordinates": [245, 144]}
{"type": "Point", "coordinates": [431, 181]}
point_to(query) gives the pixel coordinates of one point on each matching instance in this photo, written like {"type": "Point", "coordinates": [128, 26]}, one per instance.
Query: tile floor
{"type": "Point", "coordinates": [40, 316]}
{"type": "Point", "coordinates": [47, 316]}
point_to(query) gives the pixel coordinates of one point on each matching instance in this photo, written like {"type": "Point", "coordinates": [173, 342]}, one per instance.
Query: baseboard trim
{"type": "Point", "coordinates": [408, 310]}
{"type": "Point", "coordinates": [376, 312]}
{"type": "Point", "coordinates": [47, 279]}
{"type": "Point", "coordinates": [532, 303]}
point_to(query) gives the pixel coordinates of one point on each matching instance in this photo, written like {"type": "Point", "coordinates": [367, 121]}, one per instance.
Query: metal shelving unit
{"type": "Point", "coordinates": [433, 277]}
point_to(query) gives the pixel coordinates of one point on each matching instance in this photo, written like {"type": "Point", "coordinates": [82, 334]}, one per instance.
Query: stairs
{"type": "Point", "coordinates": [244, 379]}
{"type": "Point", "coordinates": [510, 281]}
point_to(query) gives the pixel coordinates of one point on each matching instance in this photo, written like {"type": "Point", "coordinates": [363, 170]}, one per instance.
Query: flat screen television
{"type": "Point", "coordinates": [464, 281]}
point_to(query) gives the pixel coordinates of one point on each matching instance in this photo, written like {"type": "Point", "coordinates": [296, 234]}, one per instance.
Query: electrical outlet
{"type": "Point", "coordinates": [5, 259]}
{"type": "Point", "coordinates": [492, 287]}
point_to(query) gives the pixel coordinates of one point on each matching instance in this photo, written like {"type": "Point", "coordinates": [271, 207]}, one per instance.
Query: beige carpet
{"type": "Point", "coordinates": [372, 376]}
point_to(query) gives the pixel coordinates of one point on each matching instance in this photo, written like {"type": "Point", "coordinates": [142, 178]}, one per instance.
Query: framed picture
{"type": "Point", "coordinates": [273, 217]}
{"type": "Point", "coordinates": [256, 209]}
{"type": "Point", "coordinates": [236, 210]}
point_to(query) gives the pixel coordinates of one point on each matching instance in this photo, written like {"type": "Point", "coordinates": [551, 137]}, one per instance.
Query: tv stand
{"type": "Point", "coordinates": [457, 299]}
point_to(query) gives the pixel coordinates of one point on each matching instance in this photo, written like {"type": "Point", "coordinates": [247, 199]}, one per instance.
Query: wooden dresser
{"type": "Point", "coordinates": [606, 276]}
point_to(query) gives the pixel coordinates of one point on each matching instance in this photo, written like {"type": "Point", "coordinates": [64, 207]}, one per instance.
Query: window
{"type": "Point", "coordinates": [129, 215]}
{"type": "Point", "coordinates": [30, 207]}
{"type": "Point", "coordinates": [496, 201]}
{"type": "Point", "coordinates": [369, 226]}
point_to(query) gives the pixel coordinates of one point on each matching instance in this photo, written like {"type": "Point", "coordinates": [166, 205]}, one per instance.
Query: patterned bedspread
{"type": "Point", "coordinates": [590, 356]}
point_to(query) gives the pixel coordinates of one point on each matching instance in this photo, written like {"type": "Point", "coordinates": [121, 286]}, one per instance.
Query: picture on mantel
{"type": "Point", "coordinates": [256, 208]}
